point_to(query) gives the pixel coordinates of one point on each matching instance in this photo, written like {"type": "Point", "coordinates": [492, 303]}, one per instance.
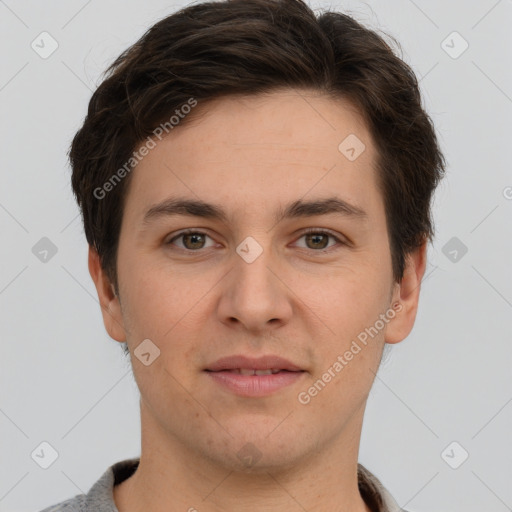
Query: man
{"type": "Point", "coordinates": [255, 184]}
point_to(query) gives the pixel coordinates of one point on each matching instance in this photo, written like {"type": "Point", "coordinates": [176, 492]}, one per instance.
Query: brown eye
{"type": "Point", "coordinates": [318, 240]}
{"type": "Point", "coordinates": [191, 240]}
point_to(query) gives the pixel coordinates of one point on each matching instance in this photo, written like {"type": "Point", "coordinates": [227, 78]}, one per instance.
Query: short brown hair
{"type": "Point", "coordinates": [214, 49]}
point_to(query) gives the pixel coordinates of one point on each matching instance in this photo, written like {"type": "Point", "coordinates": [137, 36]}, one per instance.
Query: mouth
{"type": "Point", "coordinates": [250, 371]}
{"type": "Point", "coordinates": [248, 365]}
{"type": "Point", "coordinates": [254, 377]}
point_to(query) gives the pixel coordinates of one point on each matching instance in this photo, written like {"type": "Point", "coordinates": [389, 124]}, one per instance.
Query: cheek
{"type": "Point", "coordinates": [167, 307]}
{"type": "Point", "coordinates": [153, 289]}
{"type": "Point", "coordinates": [357, 295]}
{"type": "Point", "coordinates": [348, 357]}
{"type": "Point", "coordinates": [352, 308]}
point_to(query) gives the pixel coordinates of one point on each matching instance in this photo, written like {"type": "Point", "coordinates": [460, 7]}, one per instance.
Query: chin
{"type": "Point", "coordinates": [257, 448]}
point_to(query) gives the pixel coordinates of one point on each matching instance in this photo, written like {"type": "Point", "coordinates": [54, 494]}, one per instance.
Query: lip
{"type": "Point", "coordinates": [223, 372]}
{"type": "Point", "coordinates": [260, 363]}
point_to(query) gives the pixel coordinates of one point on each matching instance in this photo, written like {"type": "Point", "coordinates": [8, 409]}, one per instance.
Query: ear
{"type": "Point", "coordinates": [109, 302]}
{"type": "Point", "coordinates": [406, 295]}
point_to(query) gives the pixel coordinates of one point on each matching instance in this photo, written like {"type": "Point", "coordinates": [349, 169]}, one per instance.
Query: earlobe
{"type": "Point", "coordinates": [109, 301]}
{"type": "Point", "coordinates": [406, 294]}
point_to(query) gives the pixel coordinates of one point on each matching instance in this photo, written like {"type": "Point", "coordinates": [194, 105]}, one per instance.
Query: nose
{"type": "Point", "coordinates": [254, 295]}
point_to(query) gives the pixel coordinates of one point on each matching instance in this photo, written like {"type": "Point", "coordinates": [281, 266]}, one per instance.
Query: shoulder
{"type": "Point", "coordinates": [100, 496]}
{"type": "Point", "coordinates": [75, 504]}
{"type": "Point", "coordinates": [376, 496]}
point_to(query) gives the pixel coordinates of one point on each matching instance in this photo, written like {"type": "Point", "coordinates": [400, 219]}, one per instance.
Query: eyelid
{"type": "Point", "coordinates": [195, 231]}
{"type": "Point", "coordinates": [322, 231]}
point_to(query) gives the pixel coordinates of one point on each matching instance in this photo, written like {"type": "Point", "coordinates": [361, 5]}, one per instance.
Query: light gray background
{"type": "Point", "coordinates": [64, 381]}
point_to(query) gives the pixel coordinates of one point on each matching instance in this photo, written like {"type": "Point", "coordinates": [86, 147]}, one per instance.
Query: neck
{"type": "Point", "coordinates": [171, 477]}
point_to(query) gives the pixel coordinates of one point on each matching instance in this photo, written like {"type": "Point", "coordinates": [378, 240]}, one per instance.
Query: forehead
{"type": "Point", "coordinates": [278, 146]}
{"type": "Point", "coordinates": [282, 121]}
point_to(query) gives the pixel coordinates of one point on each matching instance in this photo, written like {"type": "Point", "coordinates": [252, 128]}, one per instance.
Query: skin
{"type": "Point", "coordinates": [198, 300]}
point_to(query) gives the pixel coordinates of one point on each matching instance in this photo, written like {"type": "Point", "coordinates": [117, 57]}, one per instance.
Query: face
{"type": "Point", "coordinates": [244, 276]}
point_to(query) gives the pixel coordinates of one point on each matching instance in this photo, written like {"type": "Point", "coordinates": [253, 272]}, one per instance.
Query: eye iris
{"type": "Point", "coordinates": [315, 237]}
{"type": "Point", "coordinates": [197, 240]}
{"type": "Point", "coordinates": [194, 236]}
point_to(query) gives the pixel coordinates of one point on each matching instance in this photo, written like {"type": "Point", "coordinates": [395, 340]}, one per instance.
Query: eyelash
{"type": "Point", "coordinates": [308, 231]}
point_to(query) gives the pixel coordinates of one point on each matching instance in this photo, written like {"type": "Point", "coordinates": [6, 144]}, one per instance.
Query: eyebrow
{"type": "Point", "coordinates": [297, 209]}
